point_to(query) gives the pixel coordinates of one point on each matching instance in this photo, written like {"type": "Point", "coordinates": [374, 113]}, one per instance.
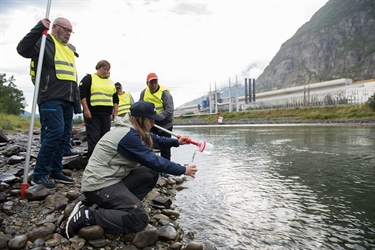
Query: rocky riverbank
{"type": "Point", "coordinates": [37, 219]}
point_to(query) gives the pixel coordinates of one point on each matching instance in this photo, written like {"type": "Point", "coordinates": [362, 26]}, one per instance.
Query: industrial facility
{"type": "Point", "coordinates": [335, 92]}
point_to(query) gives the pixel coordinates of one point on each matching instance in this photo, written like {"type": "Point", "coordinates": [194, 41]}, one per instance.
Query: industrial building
{"type": "Point", "coordinates": [335, 92]}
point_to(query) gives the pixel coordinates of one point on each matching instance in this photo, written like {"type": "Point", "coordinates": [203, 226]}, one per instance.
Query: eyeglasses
{"type": "Point", "coordinates": [65, 29]}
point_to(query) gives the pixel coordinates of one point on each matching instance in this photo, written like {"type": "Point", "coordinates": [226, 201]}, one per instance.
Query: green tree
{"type": "Point", "coordinates": [12, 100]}
{"type": "Point", "coordinates": [371, 102]}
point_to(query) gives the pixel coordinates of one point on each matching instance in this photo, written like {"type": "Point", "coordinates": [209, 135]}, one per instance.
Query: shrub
{"type": "Point", "coordinates": [371, 102]}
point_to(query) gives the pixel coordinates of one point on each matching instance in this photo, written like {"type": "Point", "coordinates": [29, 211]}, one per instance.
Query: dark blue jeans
{"type": "Point", "coordinates": [56, 118]}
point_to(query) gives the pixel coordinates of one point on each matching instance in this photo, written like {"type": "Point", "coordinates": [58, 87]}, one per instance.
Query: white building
{"type": "Point", "coordinates": [335, 92]}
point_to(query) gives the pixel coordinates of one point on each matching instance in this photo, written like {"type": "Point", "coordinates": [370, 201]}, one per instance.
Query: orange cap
{"type": "Point", "coordinates": [151, 76]}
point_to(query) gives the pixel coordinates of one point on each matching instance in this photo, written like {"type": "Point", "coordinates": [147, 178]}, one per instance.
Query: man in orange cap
{"type": "Point", "coordinates": [163, 101]}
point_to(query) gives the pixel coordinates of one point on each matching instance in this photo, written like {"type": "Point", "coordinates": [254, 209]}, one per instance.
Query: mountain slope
{"type": "Point", "coordinates": [338, 42]}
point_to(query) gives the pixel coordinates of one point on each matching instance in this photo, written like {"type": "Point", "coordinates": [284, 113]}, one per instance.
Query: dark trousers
{"type": "Point", "coordinates": [56, 127]}
{"type": "Point", "coordinates": [166, 152]}
{"type": "Point", "coordinates": [96, 127]}
{"type": "Point", "coordinates": [118, 208]}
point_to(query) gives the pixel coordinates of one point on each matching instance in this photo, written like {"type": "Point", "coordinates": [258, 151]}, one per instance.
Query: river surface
{"type": "Point", "coordinates": [280, 187]}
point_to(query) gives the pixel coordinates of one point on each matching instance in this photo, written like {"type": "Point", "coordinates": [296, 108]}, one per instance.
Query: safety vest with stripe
{"type": "Point", "coordinates": [64, 63]}
{"type": "Point", "coordinates": [124, 104]}
{"type": "Point", "coordinates": [102, 90]}
{"type": "Point", "coordinates": [155, 98]}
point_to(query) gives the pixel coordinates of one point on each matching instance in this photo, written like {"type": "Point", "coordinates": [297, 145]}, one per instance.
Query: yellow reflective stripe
{"type": "Point", "coordinates": [102, 90]}
{"type": "Point", "coordinates": [32, 68]}
{"type": "Point", "coordinates": [64, 62]}
{"type": "Point", "coordinates": [155, 98]}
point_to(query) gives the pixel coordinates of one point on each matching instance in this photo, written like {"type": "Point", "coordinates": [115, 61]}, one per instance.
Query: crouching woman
{"type": "Point", "coordinates": [122, 170]}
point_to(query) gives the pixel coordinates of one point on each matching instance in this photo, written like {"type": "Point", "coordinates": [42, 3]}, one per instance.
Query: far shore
{"type": "Point", "coordinates": [274, 121]}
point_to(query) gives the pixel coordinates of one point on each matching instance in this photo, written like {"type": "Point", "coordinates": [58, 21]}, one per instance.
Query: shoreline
{"type": "Point", "coordinates": [274, 121]}
{"type": "Point", "coordinates": [37, 219]}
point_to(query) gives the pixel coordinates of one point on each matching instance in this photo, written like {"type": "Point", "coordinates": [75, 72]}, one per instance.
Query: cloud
{"type": "Point", "coordinates": [190, 45]}
{"type": "Point", "coordinates": [184, 8]}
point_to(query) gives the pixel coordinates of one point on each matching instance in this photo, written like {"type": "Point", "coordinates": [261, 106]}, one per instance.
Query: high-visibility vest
{"type": "Point", "coordinates": [124, 104]}
{"type": "Point", "coordinates": [64, 62]}
{"type": "Point", "coordinates": [102, 90]}
{"type": "Point", "coordinates": [155, 98]}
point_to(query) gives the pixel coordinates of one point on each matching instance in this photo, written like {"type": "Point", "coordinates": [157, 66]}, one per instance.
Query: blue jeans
{"type": "Point", "coordinates": [56, 117]}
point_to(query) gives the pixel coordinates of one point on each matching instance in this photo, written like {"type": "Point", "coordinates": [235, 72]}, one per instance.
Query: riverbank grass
{"type": "Point", "coordinates": [343, 112]}
{"type": "Point", "coordinates": [14, 123]}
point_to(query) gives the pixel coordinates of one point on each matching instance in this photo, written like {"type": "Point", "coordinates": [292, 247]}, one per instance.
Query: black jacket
{"type": "Point", "coordinates": [50, 88]}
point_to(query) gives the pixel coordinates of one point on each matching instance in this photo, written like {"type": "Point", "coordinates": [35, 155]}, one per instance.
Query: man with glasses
{"type": "Point", "coordinates": [58, 95]}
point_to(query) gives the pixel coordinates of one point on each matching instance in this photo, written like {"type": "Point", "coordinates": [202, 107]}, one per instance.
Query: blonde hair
{"type": "Point", "coordinates": [139, 126]}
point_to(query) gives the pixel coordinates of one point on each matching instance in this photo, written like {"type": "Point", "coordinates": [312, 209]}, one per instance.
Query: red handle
{"type": "Point", "coordinates": [188, 140]}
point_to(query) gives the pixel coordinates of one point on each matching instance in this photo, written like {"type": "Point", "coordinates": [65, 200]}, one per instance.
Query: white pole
{"type": "Point", "coordinates": [216, 109]}
{"type": "Point", "coordinates": [35, 98]}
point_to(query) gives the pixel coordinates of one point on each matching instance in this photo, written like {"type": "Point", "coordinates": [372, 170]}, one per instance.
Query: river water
{"type": "Point", "coordinates": [280, 187]}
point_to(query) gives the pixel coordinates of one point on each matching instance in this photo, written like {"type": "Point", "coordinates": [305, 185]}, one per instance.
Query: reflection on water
{"type": "Point", "coordinates": [281, 187]}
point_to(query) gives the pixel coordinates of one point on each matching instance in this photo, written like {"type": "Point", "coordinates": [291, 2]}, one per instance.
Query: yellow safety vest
{"type": "Point", "coordinates": [64, 62]}
{"type": "Point", "coordinates": [155, 98]}
{"type": "Point", "coordinates": [102, 90]}
{"type": "Point", "coordinates": [124, 104]}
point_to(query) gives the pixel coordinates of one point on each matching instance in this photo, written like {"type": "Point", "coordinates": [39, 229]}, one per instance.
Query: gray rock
{"type": "Point", "coordinates": [58, 202]}
{"type": "Point", "coordinates": [7, 177]}
{"type": "Point", "coordinates": [14, 159]}
{"type": "Point", "coordinates": [7, 206]}
{"type": "Point", "coordinates": [167, 233]}
{"type": "Point", "coordinates": [98, 243]}
{"type": "Point", "coordinates": [3, 137]}
{"type": "Point", "coordinates": [171, 212]}
{"type": "Point", "coordinates": [194, 246]}
{"type": "Point", "coordinates": [44, 232]}
{"type": "Point", "coordinates": [164, 201]}
{"type": "Point", "coordinates": [77, 243]}
{"type": "Point", "coordinates": [36, 193]}
{"type": "Point", "coordinates": [4, 238]}
{"type": "Point", "coordinates": [208, 245]}
{"type": "Point", "coordinates": [146, 237]}
{"type": "Point", "coordinates": [91, 232]}
{"type": "Point", "coordinates": [38, 243]}
{"type": "Point", "coordinates": [18, 242]}
{"type": "Point", "coordinates": [13, 150]}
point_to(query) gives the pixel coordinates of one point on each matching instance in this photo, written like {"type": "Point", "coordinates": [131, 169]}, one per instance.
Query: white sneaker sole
{"type": "Point", "coordinates": [75, 210]}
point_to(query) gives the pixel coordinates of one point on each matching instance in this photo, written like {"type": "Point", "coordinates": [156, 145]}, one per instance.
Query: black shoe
{"type": "Point", "coordinates": [77, 219]}
{"type": "Point", "coordinates": [45, 181]}
{"type": "Point", "coordinates": [60, 177]}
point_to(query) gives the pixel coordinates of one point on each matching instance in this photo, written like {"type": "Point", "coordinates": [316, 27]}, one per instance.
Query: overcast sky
{"type": "Point", "coordinates": [190, 45]}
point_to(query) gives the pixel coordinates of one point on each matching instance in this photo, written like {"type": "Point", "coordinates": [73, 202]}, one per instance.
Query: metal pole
{"type": "Point", "coordinates": [250, 91]}
{"type": "Point", "coordinates": [253, 89]}
{"type": "Point", "coordinates": [216, 108]}
{"type": "Point", "coordinates": [230, 97]}
{"type": "Point", "coordinates": [245, 90]}
{"type": "Point", "coordinates": [210, 100]}
{"type": "Point", "coordinates": [25, 185]}
{"type": "Point", "coordinates": [237, 106]}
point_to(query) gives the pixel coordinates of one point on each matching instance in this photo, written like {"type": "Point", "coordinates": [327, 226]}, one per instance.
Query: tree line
{"type": "Point", "coordinates": [12, 100]}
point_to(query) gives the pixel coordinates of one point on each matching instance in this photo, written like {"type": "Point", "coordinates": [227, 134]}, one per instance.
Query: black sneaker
{"type": "Point", "coordinates": [45, 181]}
{"type": "Point", "coordinates": [60, 177]}
{"type": "Point", "coordinates": [77, 219]}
